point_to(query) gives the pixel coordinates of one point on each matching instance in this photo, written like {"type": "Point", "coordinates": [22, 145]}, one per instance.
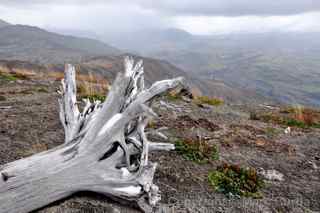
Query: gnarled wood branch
{"type": "Point", "coordinates": [106, 148]}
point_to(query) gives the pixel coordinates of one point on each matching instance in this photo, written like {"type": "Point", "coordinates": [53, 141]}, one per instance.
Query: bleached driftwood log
{"type": "Point", "coordinates": [105, 150]}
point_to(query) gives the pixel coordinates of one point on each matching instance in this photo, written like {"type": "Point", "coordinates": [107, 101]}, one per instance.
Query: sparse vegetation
{"type": "Point", "coordinates": [209, 101]}
{"type": "Point", "coordinates": [21, 75]}
{"type": "Point", "coordinates": [151, 124]}
{"type": "Point", "coordinates": [42, 90]}
{"type": "Point", "coordinates": [235, 181]}
{"type": "Point", "coordinates": [197, 151]}
{"type": "Point", "coordinates": [33, 149]}
{"type": "Point", "coordinates": [92, 88]}
{"type": "Point", "coordinates": [2, 98]}
{"type": "Point", "coordinates": [291, 116]}
{"type": "Point", "coordinates": [173, 96]}
{"type": "Point", "coordinates": [271, 132]}
{"type": "Point", "coordinates": [295, 123]}
{"type": "Point", "coordinates": [94, 97]}
{"type": "Point", "coordinates": [7, 77]}
{"type": "Point", "coordinates": [13, 76]}
{"type": "Point", "coordinates": [33, 90]}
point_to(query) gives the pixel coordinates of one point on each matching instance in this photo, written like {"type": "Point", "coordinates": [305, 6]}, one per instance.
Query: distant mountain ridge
{"type": "Point", "coordinates": [3, 23]}
{"type": "Point", "coordinates": [21, 42]}
{"type": "Point", "coordinates": [281, 65]}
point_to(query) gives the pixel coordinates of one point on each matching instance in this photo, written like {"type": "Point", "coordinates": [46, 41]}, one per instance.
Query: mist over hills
{"type": "Point", "coordinates": [283, 66]}
{"type": "Point", "coordinates": [32, 48]}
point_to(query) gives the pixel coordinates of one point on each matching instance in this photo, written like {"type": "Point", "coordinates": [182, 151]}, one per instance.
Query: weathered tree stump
{"type": "Point", "coordinates": [105, 150]}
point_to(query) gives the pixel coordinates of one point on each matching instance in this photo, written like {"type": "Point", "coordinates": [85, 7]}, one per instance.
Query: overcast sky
{"type": "Point", "coordinates": [195, 16]}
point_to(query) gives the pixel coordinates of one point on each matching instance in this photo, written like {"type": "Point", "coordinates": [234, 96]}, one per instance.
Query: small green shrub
{"type": "Point", "coordinates": [2, 98]}
{"type": "Point", "coordinates": [233, 180]}
{"type": "Point", "coordinates": [209, 101]}
{"type": "Point", "coordinates": [197, 151]}
{"type": "Point", "coordinates": [294, 123]}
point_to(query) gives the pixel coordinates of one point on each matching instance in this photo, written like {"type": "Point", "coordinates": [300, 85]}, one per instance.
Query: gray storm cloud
{"type": "Point", "coordinates": [194, 7]}
{"type": "Point", "coordinates": [196, 16]}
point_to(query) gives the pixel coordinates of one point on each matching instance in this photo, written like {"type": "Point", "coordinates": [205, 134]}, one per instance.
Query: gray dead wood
{"type": "Point", "coordinates": [106, 149]}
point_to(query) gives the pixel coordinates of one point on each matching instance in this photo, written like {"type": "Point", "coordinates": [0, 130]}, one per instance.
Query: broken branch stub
{"type": "Point", "coordinates": [106, 148]}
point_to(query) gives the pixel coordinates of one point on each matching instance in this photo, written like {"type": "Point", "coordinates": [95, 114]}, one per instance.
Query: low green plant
{"type": "Point", "coordinates": [300, 124]}
{"type": "Point", "coordinates": [291, 121]}
{"type": "Point", "coordinates": [234, 181]}
{"type": "Point", "coordinates": [21, 76]}
{"type": "Point", "coordinates": [13, 76]}
{"type": "Point", "coordinates": [173, 96]}
{"type": "Point", "coordinates": [2, 98]}
{"type": "Point", "coordinates": [294, 123]}
{"type": "Point", "coordinates": [94, 97]}
{"type": "Point", "coordinates": [271, 132]}
{"type": "Point", "coordinates": [42, 90]}
{"type": "Point", "coordinates": [88, 90]}
{"type": "Point", "coordinates": [215, 153]}
{"type": "Point", "coordinates": [317, 125]}
{"type": "Point", "coordinates": [209, 101]}
{"type": "Point", "coordinates": [7, 77]}
{"type": "Point", "coordinates": [197, 151]}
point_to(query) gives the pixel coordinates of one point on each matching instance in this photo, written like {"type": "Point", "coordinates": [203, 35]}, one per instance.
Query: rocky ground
{"type": "Point", "coordinates": [29, 124]}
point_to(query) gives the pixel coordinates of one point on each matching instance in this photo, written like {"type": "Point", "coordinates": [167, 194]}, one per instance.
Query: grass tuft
{"type": "Point", "coordinates": [92, 88]}
{"type": "Point", "coordinates": [197, 151]}
{"type": "Point", "coordinates": [209, 101]}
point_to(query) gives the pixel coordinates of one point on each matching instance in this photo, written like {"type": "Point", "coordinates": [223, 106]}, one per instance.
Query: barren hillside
{"type": "Point", "coordinates": [242, 135]}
